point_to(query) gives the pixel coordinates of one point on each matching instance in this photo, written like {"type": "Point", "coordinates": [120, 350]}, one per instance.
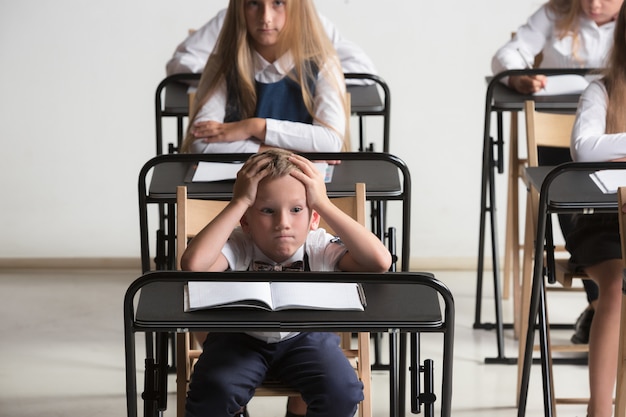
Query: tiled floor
{"type": "Point", "coordinates": [62, 350]}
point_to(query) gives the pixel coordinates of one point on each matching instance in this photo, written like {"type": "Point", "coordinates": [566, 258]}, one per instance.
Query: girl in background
{"type": "Point", "coordinates": [568, 34]}
{"type": "Point", "coordinates": [273, 80]}
{"type": "Point", "coordinates": [599, 134]}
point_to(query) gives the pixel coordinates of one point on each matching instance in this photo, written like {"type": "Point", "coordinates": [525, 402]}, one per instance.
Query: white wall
{"type": "Point", "coordinates": [77, 115]}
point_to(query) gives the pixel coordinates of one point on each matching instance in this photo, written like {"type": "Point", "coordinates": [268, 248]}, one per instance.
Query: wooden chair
{"type": "Point", "coordinates": [620, 389]}
{"type": "Point", "coordinates": [543, 130]}
{"type": "Point", "coordinates": [192, 216]}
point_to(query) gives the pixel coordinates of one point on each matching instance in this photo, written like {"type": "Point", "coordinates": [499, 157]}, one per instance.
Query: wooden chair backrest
{"type": "Point", "coordinates": [192, 214]}
{"type": "Point", "coordinates": [191, 217]}
{"type": "Point", "coordinates": [546, 129]}
{"type": "Point", "coordinates": [353, 206]}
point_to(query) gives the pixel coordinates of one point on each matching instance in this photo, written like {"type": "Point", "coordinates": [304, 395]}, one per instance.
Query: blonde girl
{"type": "Point", "coordinates": [568, 34]}
{"type": "Point", "coordinates": [273, 80]}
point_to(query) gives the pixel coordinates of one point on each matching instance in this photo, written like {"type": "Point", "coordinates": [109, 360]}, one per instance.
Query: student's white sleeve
{"type": "Point", "coordinates": [528, 41]}
{"type": "Point", "coordinates": [192, 54]}
{"type": "Point", "coordinates": [238, 251]}
{"type": "Point", "coordinates": [316, 137]}
{"type": "Point", "coordinates": [214, 109]}
{"type": "Point", "coordinates": [324, 250]}
{"type": "Point", "coordinates": [590, 143]}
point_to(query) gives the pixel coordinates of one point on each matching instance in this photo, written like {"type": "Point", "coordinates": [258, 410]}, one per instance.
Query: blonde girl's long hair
{"type": "Point", "coordinates": [615, 77]}
{"type": "Point", "coordinates": [566, 15]}
{"type": "Point", "coordinates": [232, 59]}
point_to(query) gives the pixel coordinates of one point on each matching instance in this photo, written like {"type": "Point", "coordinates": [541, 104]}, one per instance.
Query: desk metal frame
{"type": "Point", "coordinates": [556, 197]}
{"type": "Point", "coordinates": [411, 307]}
{"type": "Point", "coordinates": [165, 256]}
{"type": "Point", "coordinates": [171, 101]}
{"type": "Point", "coordinates": [501, 99]}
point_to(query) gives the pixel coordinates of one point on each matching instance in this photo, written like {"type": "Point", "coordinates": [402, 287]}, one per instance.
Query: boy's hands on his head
{"type": "Point", "coordinates": [313, 181]}
{"type": "Point", "coordinates": [365, 251]}
{"type": "Point", "coordinates": [248, 178]}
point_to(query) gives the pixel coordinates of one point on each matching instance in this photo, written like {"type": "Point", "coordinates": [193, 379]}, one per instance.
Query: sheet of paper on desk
{"type": "Point", "coordinates": [564, 84]}
{"type": "Point", "coordinates": [220, 171]}
{"type": "Point", "coordinates": [216, 171]}
{"type": "Point", "coordinates": [608, 181]}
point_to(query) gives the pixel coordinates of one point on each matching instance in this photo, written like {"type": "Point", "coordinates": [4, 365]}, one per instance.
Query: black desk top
{"type": "Point", "coordinates": [396, 302]}
{"type": "Point", "coordinates": [382, 180]}
{"type": "Point", "coordinates": [405, 305]}
{"type": "Point", "coordinates": [507, 99]}
{"type": "Point", "coordinates": [574, 190]}
{"type": "Point", "coordinates": [503, 98]}
{"type": "Point", "coordinates": [363, 99]}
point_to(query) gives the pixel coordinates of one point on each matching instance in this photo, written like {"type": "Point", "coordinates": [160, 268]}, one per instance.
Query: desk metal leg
{"type": "Point", "coordinates": [394, 374]}
{"type": "Point", "coordinates": [163, 340]}
{"type": "Point", "coordinates": [155, 378]}
{"type": "Point", "coordinates": [414, 372]}
{"type": "Point", "coordinates": [488, 205]}
{"type": "Point", "coordinates": [131, 376]}
{"type": "Point", "coordinates": [537, 309]}
{"type": "Point", "coordinates": [402, 365]}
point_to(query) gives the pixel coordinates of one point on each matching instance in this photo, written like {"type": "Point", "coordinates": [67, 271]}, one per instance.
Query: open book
{"type": "Point", "coordinates": [274, 295]}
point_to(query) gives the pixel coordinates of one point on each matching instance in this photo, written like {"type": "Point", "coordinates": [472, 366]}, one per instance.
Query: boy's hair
{"type": "Point", "coordinates": [279, 165]}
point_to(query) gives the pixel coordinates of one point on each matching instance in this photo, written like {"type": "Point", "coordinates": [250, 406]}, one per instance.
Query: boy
{"type": "Point", "coordinates": [278, 199]}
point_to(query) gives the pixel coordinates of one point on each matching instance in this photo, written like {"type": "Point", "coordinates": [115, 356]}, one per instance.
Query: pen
{"type": "Point", "coordinates": [529, 65]}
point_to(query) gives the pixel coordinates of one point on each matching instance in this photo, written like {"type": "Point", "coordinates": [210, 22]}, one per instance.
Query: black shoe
{"type": "Point", "coordinates": [582, 326]}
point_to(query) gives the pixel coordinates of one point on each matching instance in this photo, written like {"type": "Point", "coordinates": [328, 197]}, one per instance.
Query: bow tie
{"type": "Point", "coordinates": [264, 266]}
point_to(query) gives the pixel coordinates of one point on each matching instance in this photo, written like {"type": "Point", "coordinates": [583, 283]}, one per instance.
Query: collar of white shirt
{"type": "Point", "coordinates": [271, 72]}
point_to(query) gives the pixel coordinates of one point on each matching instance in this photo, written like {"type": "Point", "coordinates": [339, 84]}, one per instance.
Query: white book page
{"type": "Point", "coordinates": [220, 171]}
{"type": "Point", "coordinates": [216, 171]}
{"type": "Point", "coordinates": [608, 181]}
{"type": "Point", "coordinates": [564, 84]}
{"type": "Point", "coordinates": [316, 295]}
{"type": "Point", "coordinates": [219, 294]}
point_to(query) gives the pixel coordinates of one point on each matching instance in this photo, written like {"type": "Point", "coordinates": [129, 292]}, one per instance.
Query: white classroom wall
{"type": "Point", "coordinates": [77, 113]}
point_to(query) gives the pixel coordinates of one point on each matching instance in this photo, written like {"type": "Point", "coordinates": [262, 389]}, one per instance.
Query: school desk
{"type": "Point", "coordinates": [171, 101]}
{"type": "Point", "coordinates": [387, 178]}
{"type": "Point", "coordinates": [566, 188]}
{"type": "Point", "coordinates": [397, 303]}
{"type": "Point", "coordinates": [499, 100]}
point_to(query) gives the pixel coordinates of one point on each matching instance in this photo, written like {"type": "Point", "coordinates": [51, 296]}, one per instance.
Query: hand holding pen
{"type": "Point", "coordinates": [527, 84]}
